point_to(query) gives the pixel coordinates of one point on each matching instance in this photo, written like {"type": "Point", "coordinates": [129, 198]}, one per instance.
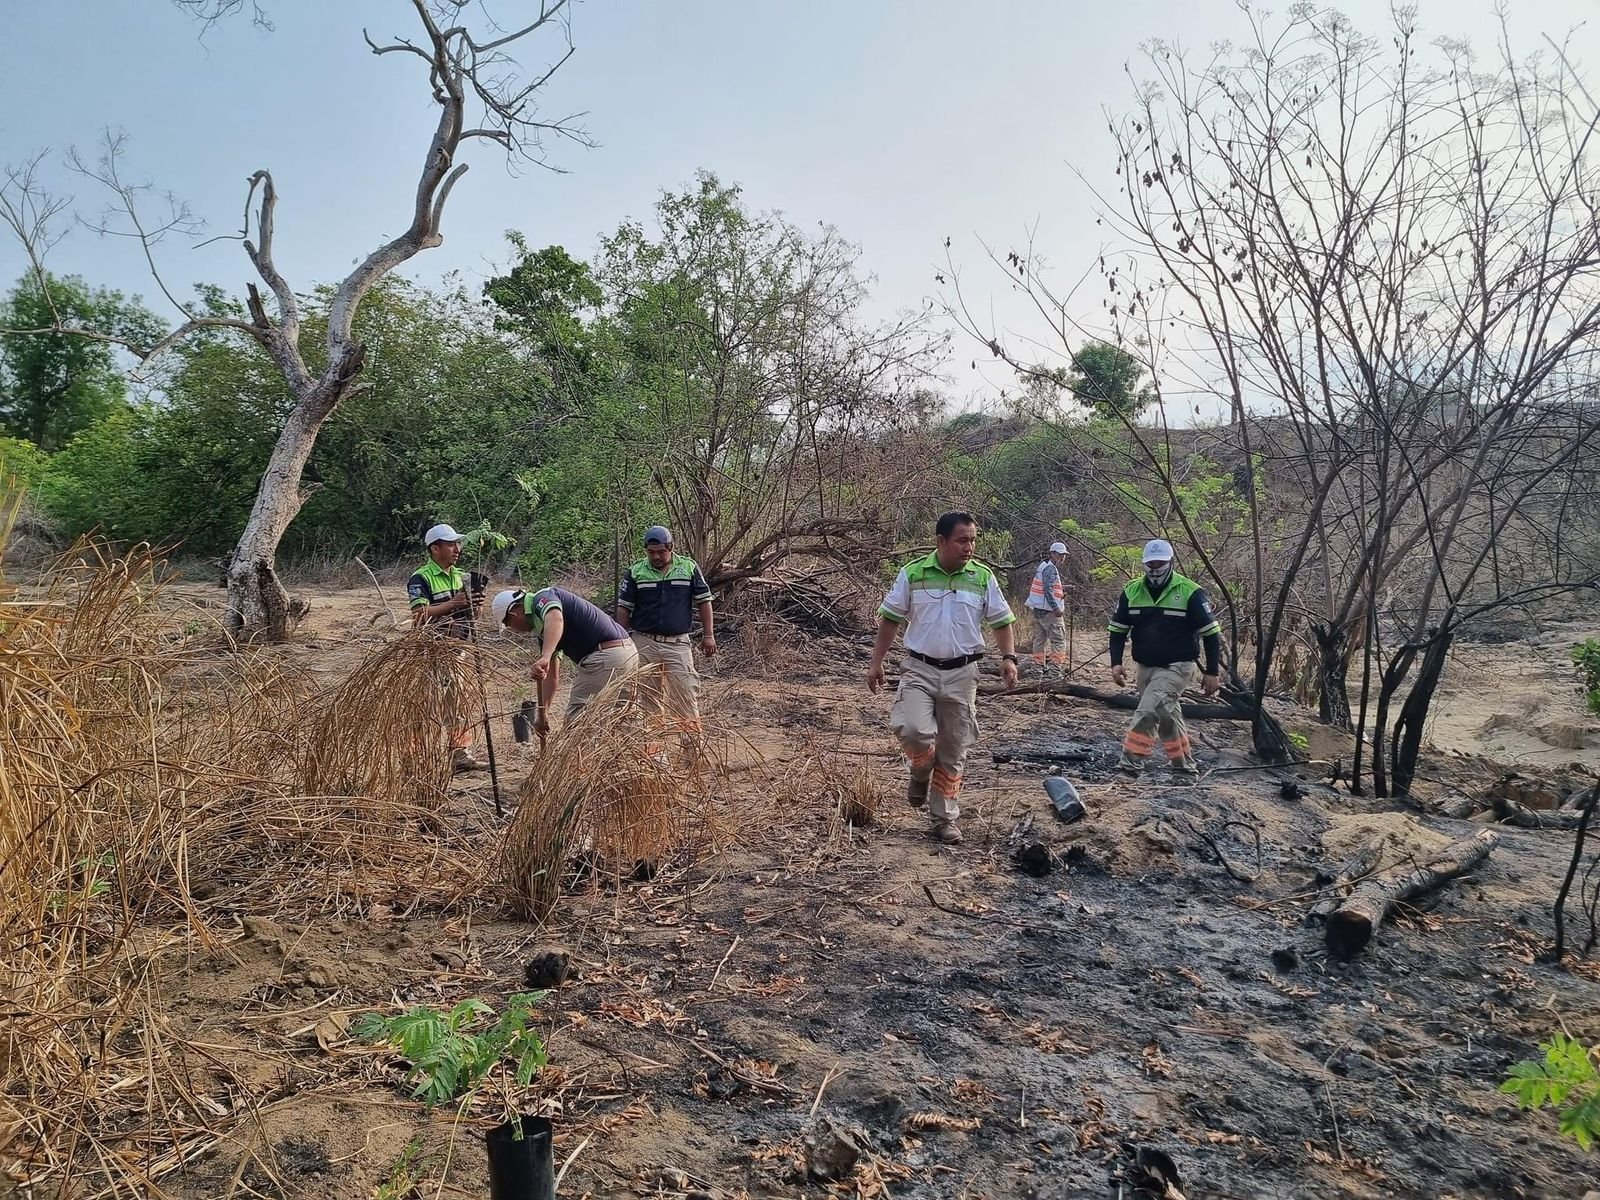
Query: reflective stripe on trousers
{"type": "Point", "coordinates": [1049, 636]}
{"type": "Point", "coordinates": [935, 717]}
{"type": "Point", "coordinates": [1160, 712]}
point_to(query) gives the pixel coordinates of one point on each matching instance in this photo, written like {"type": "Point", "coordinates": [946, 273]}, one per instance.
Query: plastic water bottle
{"type": "Point", "coordinates": [1064, 799]}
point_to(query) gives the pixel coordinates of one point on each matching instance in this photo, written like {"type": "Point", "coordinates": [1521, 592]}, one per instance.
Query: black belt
{"type": "Point", "coordinates": [946, 664]}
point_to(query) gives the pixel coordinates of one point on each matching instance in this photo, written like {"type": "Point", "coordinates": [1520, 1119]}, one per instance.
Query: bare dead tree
{"type": "Point", "coordinates": [1388, 273]}
{"type": "Point", "coordinates": [480, 94]}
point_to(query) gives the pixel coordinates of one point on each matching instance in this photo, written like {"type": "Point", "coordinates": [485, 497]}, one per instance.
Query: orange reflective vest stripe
{"type": "Point", "coordinates": [1036, 590]}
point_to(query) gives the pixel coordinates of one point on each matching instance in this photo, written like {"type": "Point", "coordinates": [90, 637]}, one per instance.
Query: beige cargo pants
{"type": "Point", "coordinates": [677, 684]}
{"type": "Point", "coordinates": [590, 677]}
{"type": "Point", "coordinates": [1049, 636]}
{"type": "Point", "coordinates": [459, 700]}
{"type": "Point", "coordinates": [935, 716]}
{"type": "Point", "coordinates": [1161, 711]}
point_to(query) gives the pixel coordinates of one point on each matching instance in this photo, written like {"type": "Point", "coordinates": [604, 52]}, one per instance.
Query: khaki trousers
{"type": "Point", "coordinates": [935, 716]}
{"type": "Point", "coordinates": [1161, 711]}
{"type": "Point", "coordinates": [1049, 636]}
{"type": "Point", "coordinates": [459, 697]}
{"type": "Point", "coordinates": [590, 677]}
{"type": "Point", "coordinates": [676, 686]}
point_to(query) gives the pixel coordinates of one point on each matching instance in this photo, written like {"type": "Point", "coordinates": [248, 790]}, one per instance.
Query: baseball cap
{"type": "Point", "coordinates": [441, 533]}
{"type": "Point", "coordinates": [658, 533]}
{"type": "Point", "coordinates": [1058, 547]}
{"type": "Point", "coordinates": [501, 604]}
{"type": "Point", "coordinates": [1157, 550]}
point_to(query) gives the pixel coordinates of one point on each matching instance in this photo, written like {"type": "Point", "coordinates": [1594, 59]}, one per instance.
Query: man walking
{"type": "Point", "coordinates": [658, 601]}
{"type": "Point", "coordinates": [441, 599]}
{"type": "Point", "coordinates": [1048, 608]}
{"type": "Point", "coordinates": [944, 601]}
{"type": "Point", "coordinates": [1168, 616]}
{"type": "Point", "coordinates": [565, 622]}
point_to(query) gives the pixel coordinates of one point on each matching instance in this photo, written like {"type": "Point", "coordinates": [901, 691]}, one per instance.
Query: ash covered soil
{"type": "Point", "coordinates": [819, 999]}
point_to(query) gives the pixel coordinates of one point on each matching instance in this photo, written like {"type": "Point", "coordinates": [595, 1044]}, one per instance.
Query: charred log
{"type": "Point", "coordinates": [1361, 864]}
{"type": "Point", "coordinates": [1352, 924]}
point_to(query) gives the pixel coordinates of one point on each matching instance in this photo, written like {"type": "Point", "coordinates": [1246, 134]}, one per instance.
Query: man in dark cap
{"type": "Point", "coordinates": [659, 598]}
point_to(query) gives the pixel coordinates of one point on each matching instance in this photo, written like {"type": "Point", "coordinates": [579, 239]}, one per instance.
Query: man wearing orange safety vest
{"type": "Point", "coordinates": [1168, 617]}
{"type": "Point", "coordinates": [1048, 609]}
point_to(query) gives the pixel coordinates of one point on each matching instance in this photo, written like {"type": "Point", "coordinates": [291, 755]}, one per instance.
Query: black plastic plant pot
{"type": "Point", "coordinates": [520, 729]}
{"type": "Point", "coordinates": [522, 1160]}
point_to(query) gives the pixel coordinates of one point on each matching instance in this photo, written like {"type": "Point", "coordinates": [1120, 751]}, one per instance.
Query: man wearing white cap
{"type": "Point", "coordinates": [567, 623]}
{"type": "Point", "coordinates": [660, 597]}
{"type": "Point", "coordinates": [1047, 607]}
{"type": "Point", "coordinates": [440, 597]}
{"type": "Point", "coordinates": [1168, 617]}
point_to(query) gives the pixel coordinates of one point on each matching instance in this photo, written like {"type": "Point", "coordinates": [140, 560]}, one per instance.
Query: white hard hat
{"type": "Point", "coordinates": [1157, 550]}
{"type": "Point", "coordinates": [1058, 547]}
{"type": "Point", "coordinates": [501, 604]}
{"type": "Point", "coordinates": [441, 533]}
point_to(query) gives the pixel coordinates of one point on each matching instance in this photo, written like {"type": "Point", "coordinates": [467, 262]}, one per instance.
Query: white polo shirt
{"type": "Point", "coordinates": [945, 614]}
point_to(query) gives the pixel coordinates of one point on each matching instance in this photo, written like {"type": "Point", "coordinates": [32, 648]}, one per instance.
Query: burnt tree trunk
{"type": "Point", "coordinates": [1333, 647]}
{"type": "Point", "coordinates": [1560, 946]}
{"type": "Point", "coordinates": [1352, 924]}
{"type": "Point", "coordinates": [1407, 744]}
{"type": "Point", "coordinates": [1509, 812]}
{"type": "Point", "coordinates": [1389, 682]}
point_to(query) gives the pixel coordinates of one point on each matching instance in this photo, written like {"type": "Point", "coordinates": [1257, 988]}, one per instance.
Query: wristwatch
{"type": "Point", "coordinates": [1008, 658]}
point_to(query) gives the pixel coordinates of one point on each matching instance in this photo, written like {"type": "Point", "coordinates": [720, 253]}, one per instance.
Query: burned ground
{"type": "Point", "coordinates": [931, 1021]}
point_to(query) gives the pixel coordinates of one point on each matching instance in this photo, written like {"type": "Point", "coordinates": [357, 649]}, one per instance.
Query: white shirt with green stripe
{"type": "Point", "coordinates": [945, 614]}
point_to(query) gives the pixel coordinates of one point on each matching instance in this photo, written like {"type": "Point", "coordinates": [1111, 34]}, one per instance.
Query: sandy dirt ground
{"type": "Point", "coordinates": [1518, 703]}
{"type": "Point", "coordinates": [820, 999]}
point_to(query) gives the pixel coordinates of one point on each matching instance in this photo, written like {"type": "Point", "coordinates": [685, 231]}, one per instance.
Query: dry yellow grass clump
{"type": "Point", "coordinates": [378, 733]}
{"type": "Point", "coordinates": [108, 786]}
{"type": "Point", "coordinates": [137, 753]}
{"type": "Point", "coordinates": [614, 789]}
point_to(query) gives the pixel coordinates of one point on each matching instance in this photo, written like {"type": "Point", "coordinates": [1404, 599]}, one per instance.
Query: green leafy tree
{"type": "Point", "coordinates": [1105, 379]}
{"type": "Point", "coordinates": [582, 476]}
{"type": "Point", "coordinates": [54, 384]}
{"type": "Point", "coordinates": [763, 387]}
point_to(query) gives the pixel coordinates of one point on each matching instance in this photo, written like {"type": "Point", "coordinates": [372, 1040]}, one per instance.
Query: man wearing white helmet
{"type": "Point", "coordinates": [567, 623]}
{"type": "Point", "coordinates": [1047, 606]}
{"type": "Point", "coordinates": [443, 598]}
{"type": "Point", "coordinates": [1168, 617]}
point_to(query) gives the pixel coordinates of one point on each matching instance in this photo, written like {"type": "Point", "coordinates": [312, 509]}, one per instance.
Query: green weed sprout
{"type": "Point", "coordinates": [1567, 1079]}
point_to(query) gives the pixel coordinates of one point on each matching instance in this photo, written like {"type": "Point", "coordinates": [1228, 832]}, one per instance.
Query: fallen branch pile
{"type": "Point", "coordinates": [1193, 710]}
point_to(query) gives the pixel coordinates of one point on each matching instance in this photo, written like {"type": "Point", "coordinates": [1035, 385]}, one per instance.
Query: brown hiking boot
{"type": "Point", "coordinates": [461, 762]}
{"type": "Point", "coordinates": [917, 793]}
{"type": "Point", "coordinates": [947, 832]}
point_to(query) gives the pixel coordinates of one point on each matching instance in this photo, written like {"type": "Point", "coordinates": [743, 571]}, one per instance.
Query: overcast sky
{"type": "Point", "coordinates": [901, 122]}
